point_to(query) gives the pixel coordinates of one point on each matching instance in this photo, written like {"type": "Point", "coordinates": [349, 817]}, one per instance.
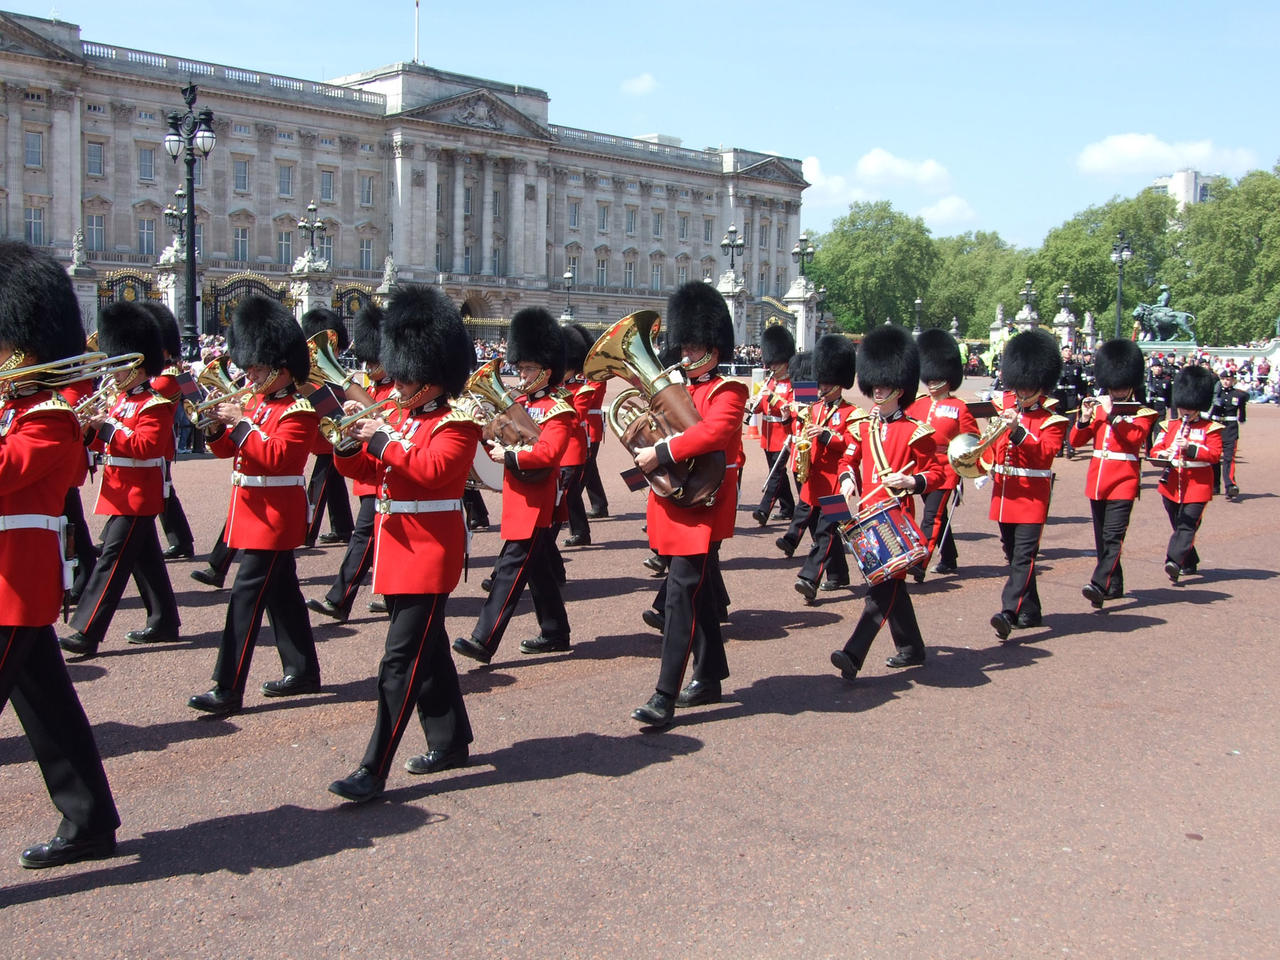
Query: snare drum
{"type": "Point", "coordinates": [485, 474]}
{"type": "Point", "coordinates": [885, 541]}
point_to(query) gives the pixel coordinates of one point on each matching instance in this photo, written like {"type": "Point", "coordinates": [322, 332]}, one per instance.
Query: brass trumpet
{"type": "Point", "coordinates": [219, 387]}
{"type": "Point", "coordinates": [334, 429]}
{"type": "Point", "coordinates": [99, 403]}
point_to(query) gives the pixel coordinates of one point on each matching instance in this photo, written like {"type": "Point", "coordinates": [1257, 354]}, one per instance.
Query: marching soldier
{"type": "Point", "coordinates": [586, 397]}
{"type": "Point", "coordinates": [1228, 410]}
{"type": "Point", "coordinates": [173, 519]}
{"type": "Point", "coordinates": [1069, 389]}
{"type": "Point", "coordinates": [589, 403]}
{"type": "Point", "coordinates": [1159, 393]}
{"type": "Point", "coordinates": [798, 370]}
{"type": "Point", "coordinates": [418, 463]}
{"type": "Point", "coordinates": [41, 457]}
{"type": "Point", "coordinates": [267, 442]}
{"type": "Point", "coordinates": [774, 405]}
{"type": "Point", "coordinates": [326, 489]}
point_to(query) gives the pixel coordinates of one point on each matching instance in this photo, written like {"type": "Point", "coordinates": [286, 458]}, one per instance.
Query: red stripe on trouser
{"type": "Point", "coordinates": [693, 621]}
{"type": "Point", "coordinates": [1022, 594]}
{"type": "Point", "coordinates": [517, 583]}
{"type": "Point", "coordinates": [889, 610]}
{"type": "Point", "coordinates": [255, 619]}
{"type": "Point", "coordinates": [115, 567]}
{"type": "Point", "coordinates": [8, 649]}
{"type": "Point", "coordinates": [354, 585]}
{"type": "Point", "coordinates": [402, 718]}
{"type": "Point", "coordinates": [831, 542]}
{"type": "Point", "coordinates": [939, 523]}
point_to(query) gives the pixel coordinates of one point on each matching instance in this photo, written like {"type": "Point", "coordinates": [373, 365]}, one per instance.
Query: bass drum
{"type": "Point", "coordinates": [485, 474]}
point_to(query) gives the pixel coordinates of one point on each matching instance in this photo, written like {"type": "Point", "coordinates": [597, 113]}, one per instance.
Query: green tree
{"type": "Point", "coordinates": [973, 271]}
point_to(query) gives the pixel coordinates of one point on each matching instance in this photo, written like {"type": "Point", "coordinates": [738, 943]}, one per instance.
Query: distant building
{"type": "Point", "coordinates": [1185, 186]}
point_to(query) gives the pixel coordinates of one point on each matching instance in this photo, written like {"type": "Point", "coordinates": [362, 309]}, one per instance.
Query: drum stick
{"type": "Point", "coordinates": [880, 486]}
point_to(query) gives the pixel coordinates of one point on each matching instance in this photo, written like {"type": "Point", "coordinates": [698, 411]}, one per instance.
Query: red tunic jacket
{"type": "Point", "coordinates": [1022, 474]}
{"type": "Point", "coordinates": [775, 415]}
{"type": "Point", "coordinates": [1115, 469]}
{"type": "Point", "coordinates": [825, 454]}
{"type": "Point", "coordinates": [1192, 448]}
{"type": "Point", "coordinates": [419, 464]}
{"type": "Point", "coordinates": [527, 505]}
{"type": "Point", "coordinates": [41, 454]}
{"type": "Point", "coordinates": [909, 447]}
{"type": "Point", "coordinates": [134, 441]}
{"type": "Point", "coordinates": [166, 385]}
{"type": "Point", "coordinates": [269, 446]}
{"type": "Point", "coordinates": [689, 531]}
{"type": "Point", "coordinates": [73, 394]}
{"type": "Point", "coordinates": [575, 454]}
{"type": "Point", "coordinates": [949, 418]}
{"type": "Point", "coordinates": [362, 488]}
{"type": "Point", "coordinates": [588, 404]}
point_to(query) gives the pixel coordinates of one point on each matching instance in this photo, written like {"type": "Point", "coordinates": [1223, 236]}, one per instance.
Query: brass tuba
{"type": "Point", "coordinates": [657, 406]}
{"type": "Point", "coordinates": [966, 451]}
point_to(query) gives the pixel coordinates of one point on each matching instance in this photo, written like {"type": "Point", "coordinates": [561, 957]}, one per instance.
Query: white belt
{"type": "Point", "coordinates": [776, 419]}
{"type": "Point", "coordinates": [239, 479]}
{"type": "Point", "coordinates": [111, 461]}
{"type": "Point", "coordinates": [418, 506]}
{"type": "Point", "coordinates": [1112, 455]}
{"type": "Point", "coordinates": [595, 412]}
{"type": "Point", "coordinates": [1000, 468]}
{"type": "Point", "coordinates": [30, 521]}
{"type": "Point", "coordinates": [1188, 464]}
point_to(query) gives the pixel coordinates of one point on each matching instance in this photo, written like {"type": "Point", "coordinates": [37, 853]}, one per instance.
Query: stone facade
{"type": "Point", "coordinates": [461, 181]}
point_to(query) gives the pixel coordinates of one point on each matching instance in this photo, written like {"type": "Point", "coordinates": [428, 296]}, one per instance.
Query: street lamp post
{"type": "Point", "coordinates": [188, 135]}
{"type": "Point", "coordinates": [918, 304]}
{"type": "Point", "coordinates": [1121, 253]}
{"type": "Point", "coordinates": [822, 310]}
{"type": "Point", "coordinates": [311, 224]}
{"type": "Point", "coordinates": [732, 244]}
{"type": "Point", "coordinates": [802, 252]}
{"type": "Point", "coordinates": [568, 293]}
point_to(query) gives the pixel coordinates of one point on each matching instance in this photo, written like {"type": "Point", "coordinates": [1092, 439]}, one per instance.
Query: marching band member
{"type": "Point", "coordinates": [827, 434]}
{"type": "Point", "coordinates": [418, 463]}
{"type": "Point", "coordinates": [267, 441]}
{"type": "Point", "coordinates": [799, 369]}
{"type": "Point", "coordinates": [41, 457]}
{"type": "Point", "coordinates": [1022, 474]}
{"type": "Point", "coordinates": [132, 440]}
{"type": "Point", "coordinates": [1191, 444]}
{"type": "Point", "coordinates": [891, 456]}
{"type": "Point", "coordinates": [326, 489]}
{"type": "Point", "coordinates": [173, 519]}
{"type": "Point", "coordinates": [774, 405]}
{"type": "Point", "coordinates": [941, 373]}
{"type": "Point", "coordinates": [535, 347]}
{"type": "Point", "coordinates": [699, 326]}
{"type": "Point", "coordinates": [589, 403]}
{"type": "Point", "coordinates": [585, 396]}
{"type": "Point", "coordinates": [1115, 468]}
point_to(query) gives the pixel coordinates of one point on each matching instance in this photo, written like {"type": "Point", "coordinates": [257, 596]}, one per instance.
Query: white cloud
{"type": "Point", "coordinates": [879, 166]}
{"type": "Point", "coordinates": [1147, 154]}
{"type": "Point", "coordinates": [639, 86]}
{"type": "Point", "coordinates": [830, 190]}
{"type": "Point", "coordinates": [950, 211]}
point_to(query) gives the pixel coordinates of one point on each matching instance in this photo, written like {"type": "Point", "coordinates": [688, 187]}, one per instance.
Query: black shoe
{"type": "Point", "coordinates": [658, 712]}
{"type": "Point", "coordinates": [1093, 595]}
{"type": "Point", "coordinates": [829, 585]}
{"type": "Point", "coordinates": [844, 663]}
{"type": "Point", "coordinates": [656, 564]}
{"type": "Point", "coordinates": [209, 577]}
{"type": "Point", "coordinates": [577, 541]}
{"type": "Point", "coordinates": [326, 608]}
{"type": "Point", "coordinates": [153, 635]}
{"type": "Point", "coordinates": [359, 787]}
{"type": "Point", "coordinates": [219, 701]}
{"type": "Point", "coordinates": [469, 648]}
{"type": "Point", "coordinates": [944, 567]}
{"type": "Point", "coordinates": [180, 552]}
{"type": "Point", "coordinates": [1003, 625]}
{"type": "Point", "coordinates": [806, 588]}
{"type": "Point", "coordinates": [545, 644]}
{"type": "Point", "coordinates": [699, 692]}
{"type": "Point", "coordinates": [333, 538]}
{"type": "Point", "coordinates": [60, 851]}
{"type": "Point", "coordinates": [917, 572]}
{"type": "Point", "coordinates": [785, 545]}
{"type": "Point", "coordinates": [905, 658]}
{"type": "Point", "coordinates": [289, 685]}
{"type": "Point", "coordinates": [378, 605]}
{"type": "Point", "coordinates": [1190, 570]}
{"type": "Point", "coordinates": [1173, 570]}
{"type": "Point", "coordinates": [486, 584]}
{"type": "Point", "coordinates": [478, 524]}
{"type": "Point", "coordinates": [434, 761]}
{"type": "Point", "coordinates": [598, 514]}
{"type": "Point", "coordinates": [1233, 492]}
{"type": "Point", "coordinates": [1028, 621]}
{"type": "Point", "coordinates": [760, 517]}
{"type": "Point", "coordinates": [78, 644]}
{"type": "Point", "coordinates": [654, 618]}
{"type": "Point", "coordinates": [787, 517]}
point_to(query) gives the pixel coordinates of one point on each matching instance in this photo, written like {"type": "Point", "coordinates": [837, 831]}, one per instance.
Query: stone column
{"type": "Point", "coordinates": [516, 266]}
{"type": "Point", "coordinates": [64, 174]}
{"type": "Point", "coordinates": [539, 267]}
{"type": "Point", "coordinates": [735, 297]}
{"type": "Point", "coordinates": [401, 213]}
{"type": "Point", "coordinates": [429, 231]}
{"type": "Point", "coordinates": [486, 218]}
{"type": "Point", "coordinates": [459, 238]}
{"type": "Point", "coordinates": [802, 300]}
{"type": "Point", "coordinates": [14, 96]}
{"type": "Point", "coordinates": [84, 281]}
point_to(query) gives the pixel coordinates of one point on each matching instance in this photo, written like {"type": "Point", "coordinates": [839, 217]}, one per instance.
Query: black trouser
{"type": "Point", "coordinates": [327, 488]}
{"type": "Point", "coordinates": [266, 581]}
{"type": "Point", "coordinates": [173, 521]}
{"type": "Point", "coordinates": [1021, 542]}
{"type": "Point", "coordinates": [571, 482]}
{"type": "Point", "coordinates": [591, 481]}
{"type": "Point", "coordinates": [714, 576]}
{"type": "Point", "coordinates": [1110, 524]}
{"type": "Point", "coordinates": [827, 552]}
{"type": "Point", "coordinates": [358, 559]}
{"type": "Point", "coordinates": [34, 676]}
{"type": "Point", "coordinates": [691, 625]}
{"type": "Point", "coordinates": [799, 523]}
{"type": "Point", "coordinates": [477, 511]}
{"type": "Point", "coordinates": [521, 562]}
{"type": "Point", "coordinates": [130, 547]}
{"type": "Point", "coordinates": [1185, 519]}
{"type": "Point", "coordinates": [778, 487]}
{"type": "Point", "coordinates": [1227, 466]}
{"type": "Point", "coordinates": [935, 524]}
{"type": "Point", "coordinates": [86, 552]}
{"type": "Point", "coordinates": [887, 600]}
{"type": "Point", "coordinates": [221, 556]}
{"type": "Point", "coordinates": [417, 671]}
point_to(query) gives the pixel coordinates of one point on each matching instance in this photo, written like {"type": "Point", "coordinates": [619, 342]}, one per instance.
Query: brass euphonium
{"type": "Point", "coordinates": [503, 421]}
{"type": "Point", "coordinates": [656, 407]}
{"type": "Point", "coordinates": [326, 370]}
{"type": "Point", "coordinates": [219, 386]}
{"type": "Point", "coordinates": [965, 451]}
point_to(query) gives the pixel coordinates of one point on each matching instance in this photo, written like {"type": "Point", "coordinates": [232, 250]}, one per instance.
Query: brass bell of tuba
{"type": "Point", "coordinates": [503, 421]}
{"type": "Point", "coordinates": [966, 452]}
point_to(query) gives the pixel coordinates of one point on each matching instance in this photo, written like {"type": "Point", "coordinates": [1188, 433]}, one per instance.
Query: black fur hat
{"type": "Point", "coordinates": [887, 357]}
{"type": "Point", "coordinates": [939, 357]}
{"type": "Point", "coordinates": [696, 313]}
{"type": "Point", "coordinates": [1031, 360]}
{"type": "Point", "coordinates": [39, 313]}
{"type": "Point", "coordinates": [263, 331]}
{"type": "Point", "coordinates": [1193, 388]}
{"type": "Point", "coordinates": [322, 318]}
{"type": "Point", "coordinates": [536, 337]}
{"type": "Point", "coordinates": [576, 345]}
{"type": "Point", "coordinates": [125, 327]}
{"type": "Point", "coordinates": [367, 342]}
{"type": "Point", "coordinates": [777, 345]}
{"type": "Point", "coordinates": [424, 340]}
{"type": "Point", "coordinates": [170, 335]}
{"type": "Point", "coordinates": [1119, 363]}
{"type": "Point", "coordinates": [835, 360]}
{"type": "Point", "coordinates": [587, 336]}
{"type": "Point", "coordinates": [800, 367]}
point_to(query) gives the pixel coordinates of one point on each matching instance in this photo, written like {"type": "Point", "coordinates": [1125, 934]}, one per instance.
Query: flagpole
{"type": "Point", "coordinates": [416, 4]}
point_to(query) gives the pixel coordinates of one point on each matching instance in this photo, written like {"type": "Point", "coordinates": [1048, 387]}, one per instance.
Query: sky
{"type": "Point", "coordinates": [995, 116]}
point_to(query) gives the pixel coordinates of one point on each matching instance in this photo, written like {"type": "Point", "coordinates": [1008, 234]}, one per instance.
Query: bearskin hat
{"type": "Point", "coordinates": [1119, 363]}
{"type": "Point", "coordinates": [576, 344]}
{"type": "Point", "coordinates": [367, 342]}
{"type": "Point", "coordinates": [800, 367]}
{"type": "Point", "coordinates": [536, 337]}
{"type": "Point", "coordinates": [263, 331]}
{"type": "Point", "coordinates": [170, 335]}
{"type": "Point", "coordinates": [887, 357]}
{"type": "Point", "coordinates": [696, 313]}
{"type": "Point", "coordinates": [939, 358]}
{"type": "Point", "coordinates": [39, 313]}
{"type": "Point", "coordinates": [1031, 361]}
{"type": "Point", "coordinates": [125, 327]}
{"type": "Point", "coordinates": [1193, 388]}
{"type": "Point", "coordinates": [587, 336]}
{"type": "Point", "coordinates": [424, 340]}
{"type": "Point", "coordinates": [777, 345]}
{"type": "Point", "coordinates": [322, 318]}
{"type": "Point", "coordinates": [835, 358]}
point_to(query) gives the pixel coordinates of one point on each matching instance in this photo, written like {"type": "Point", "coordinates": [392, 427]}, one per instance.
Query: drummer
{"type": "Point", "coordinates": [894, 456]}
